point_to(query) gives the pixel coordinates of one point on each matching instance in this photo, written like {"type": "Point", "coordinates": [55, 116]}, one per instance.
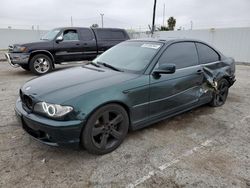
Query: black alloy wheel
{"type": "Point", "coordinates": [105, 129]}
{"type": "Point", "coordinates": [220, 96]}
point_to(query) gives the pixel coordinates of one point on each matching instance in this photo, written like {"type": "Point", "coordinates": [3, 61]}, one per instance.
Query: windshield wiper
{"type": "Point", "coordinates": [109, 66]}
{"type": "Point", "coordinates": [94, 64]}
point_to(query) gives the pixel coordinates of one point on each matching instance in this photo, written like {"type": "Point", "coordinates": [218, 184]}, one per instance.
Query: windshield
{"type": "Point", "coordinates": [130, 56]}
{"type": "Point", "coordinates": [51, 34]}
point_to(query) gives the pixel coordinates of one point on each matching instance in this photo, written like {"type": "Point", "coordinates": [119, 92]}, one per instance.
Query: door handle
{"type": "Point", "coordinates": [199, 71]}
{"type": "Point", "coordinates": [77, 44]}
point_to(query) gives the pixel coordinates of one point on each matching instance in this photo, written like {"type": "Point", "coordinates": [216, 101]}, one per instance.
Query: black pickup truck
{"type": "Point", "coordinates": [64, 45]}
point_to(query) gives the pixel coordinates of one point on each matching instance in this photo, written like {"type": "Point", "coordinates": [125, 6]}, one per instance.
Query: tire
{"type": "Point", "coordinates": [25, 67]}
{"type": "Point", "coordinates": [105, 130]}
{"type": "Point", "coordinates": [40, 64]}
{"type": "Point", "coordinates": [220, 96]}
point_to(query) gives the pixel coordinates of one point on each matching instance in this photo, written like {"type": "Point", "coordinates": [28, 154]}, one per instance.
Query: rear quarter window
{"type": "Point", "coordinates": [206, 54]}
{"type": "Point", "coordinates": [110, 34]}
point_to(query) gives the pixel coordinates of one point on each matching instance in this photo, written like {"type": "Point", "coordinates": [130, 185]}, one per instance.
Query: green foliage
{"type": "Point", "coordinates": [95, 26]}
{"type": "Point", "coordinates": [171, 25]}
{"type": "Point", "coordinates": [163, 28]}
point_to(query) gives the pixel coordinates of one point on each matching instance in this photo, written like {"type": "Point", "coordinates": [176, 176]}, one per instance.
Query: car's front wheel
{"type": "Point", "coordinates": [105, 129]}
{"type": "Point", "coordinates": [40, 64]}
{"type": "Point", "coordinates": [220, 96]}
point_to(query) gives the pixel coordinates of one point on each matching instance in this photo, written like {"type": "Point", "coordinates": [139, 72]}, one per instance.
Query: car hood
{"type": "Point", "coordinates": [64, 85]}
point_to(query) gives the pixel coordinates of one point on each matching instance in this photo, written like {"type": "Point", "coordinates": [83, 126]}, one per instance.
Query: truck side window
{"type": "Point", "coordinates": [118, 35]}
{"type": "Point", "coordinates": [110, 35]}
{"type": "Point", "coordinates": [70, 35]}
{"type": "Point", "coordinates": [86, 34]}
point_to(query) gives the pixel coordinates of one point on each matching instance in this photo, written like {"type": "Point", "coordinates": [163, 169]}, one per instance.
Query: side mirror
{"type": "Point", "coordinates": [165, 69]}
{"type": "Point", "coordinates": [59, 39]}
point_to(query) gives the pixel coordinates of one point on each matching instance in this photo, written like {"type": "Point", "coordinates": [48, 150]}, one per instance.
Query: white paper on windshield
{"type": "Point", "coordinates": [153, 46]}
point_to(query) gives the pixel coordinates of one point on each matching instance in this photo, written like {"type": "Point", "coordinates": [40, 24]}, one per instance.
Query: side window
{"type": "Point", "coordinates": [206, 54]}
{"type": "Point", "coordinates": [110, 34]}
{"type": "Point", "coordinates": [182, 54]}
{"type": "Point", "coordinates": [118, 35]}
{"type": "Point", "coordinates": [86, 34]}
{"type": "Point", "coordinates": [103, 34]}
{"type": "Point", "coordinates": [70, 35]}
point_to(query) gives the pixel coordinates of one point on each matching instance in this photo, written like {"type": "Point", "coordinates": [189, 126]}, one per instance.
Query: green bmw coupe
{"type": "Point", "coordinates": [132, 85]}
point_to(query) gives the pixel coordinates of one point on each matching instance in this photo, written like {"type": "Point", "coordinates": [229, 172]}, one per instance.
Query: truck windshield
{"type": "Point", "coordinates": [132, 56]}
{"type": "Point", "coordinates": [50, 35]}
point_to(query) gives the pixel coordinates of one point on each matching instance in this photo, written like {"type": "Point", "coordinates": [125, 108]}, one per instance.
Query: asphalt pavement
{"type": "Point", "coordinates": [205, 147]}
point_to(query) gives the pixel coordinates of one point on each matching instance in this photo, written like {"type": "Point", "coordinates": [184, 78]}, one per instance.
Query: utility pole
{"type": "Point", "coordinates": [102, 18]}
{"type": "Point", "coordinates": [71, 20]}
{"type": "Point", "coordinates": [153, 21]}
{"type": "Point", "coordinates": [163, 22]}
{"type": "Point", "coordinates": [191, 25]}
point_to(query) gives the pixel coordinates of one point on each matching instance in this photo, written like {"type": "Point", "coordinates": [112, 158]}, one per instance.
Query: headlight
{"type": "Point", "coordinates": [52, 110]}
{"type": "Point", "coordinates": [20, 49]}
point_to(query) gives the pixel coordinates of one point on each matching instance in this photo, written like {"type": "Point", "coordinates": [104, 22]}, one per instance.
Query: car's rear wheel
{"type": "Point", "coordinates": [40, 64]}
{"type": "Point", "coordinates": [25, 67]}
{"type": "Point", "coordinates": [220, 96]}
{"type": "Point", "coordinates": [105, 129]}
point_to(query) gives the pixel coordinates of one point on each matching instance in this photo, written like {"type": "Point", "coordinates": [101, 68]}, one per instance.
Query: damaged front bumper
{"type": "Point", "coordinates": [17, 59]}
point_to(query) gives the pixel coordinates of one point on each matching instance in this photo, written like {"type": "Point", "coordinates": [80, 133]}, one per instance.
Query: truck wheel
{"type": "Point", "coordinates": [25, 67]}
{"type": "Point", "coordinates": [105, 129]}
{"type": "Point", "coordinates": [220, 96]}
{"type": "Point", "coordinates": [40, 64]}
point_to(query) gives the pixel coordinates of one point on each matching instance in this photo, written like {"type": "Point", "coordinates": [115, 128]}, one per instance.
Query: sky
{"type": "Point", "coordinates": [129, 14]}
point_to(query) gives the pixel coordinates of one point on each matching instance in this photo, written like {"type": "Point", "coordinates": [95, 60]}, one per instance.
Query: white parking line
{"type": "Point", "coordinates": [167, 165]}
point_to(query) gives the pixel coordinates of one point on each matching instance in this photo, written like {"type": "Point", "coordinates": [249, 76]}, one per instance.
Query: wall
{"type": "Point", "coordinates": [233, 42]}
{"type": "Point", "coordinates": [136, 35]}
{"type": "Point", "coordinates": [15, 36]}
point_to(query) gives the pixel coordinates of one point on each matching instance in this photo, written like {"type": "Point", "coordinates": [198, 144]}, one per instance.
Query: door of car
{"type": "Point", "coordinates": [171, 93]}
{"type": "Point", "coordinates": [88, 44]}
{"type": "Point", "coordinates": [69, 48]}
{"type": "Point", "coordinates": [209, 59]}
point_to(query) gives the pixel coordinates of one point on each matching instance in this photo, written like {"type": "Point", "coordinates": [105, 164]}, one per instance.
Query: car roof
{"type": "Point", "coordinates": [170, 40]}
{"type": "Point", "coordinates": [89, 28]}
{"type": "Point", "coordinates": [167, 40]}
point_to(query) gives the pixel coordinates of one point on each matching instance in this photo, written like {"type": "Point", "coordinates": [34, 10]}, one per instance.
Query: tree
{"type": "Point", "coordinates": [170, 27]}
{"type": "Point", "coordinates": [163, 28]}
{"type": "Point", "coordinates": [171, 23]}
{"type": "Point", "coordinates": [95, 25]}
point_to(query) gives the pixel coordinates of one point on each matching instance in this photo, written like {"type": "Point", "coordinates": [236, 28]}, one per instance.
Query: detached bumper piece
{"type": "Point", "coordinates": [17, 59]}
{"type": "Point", "coordinates": [47, 131]}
